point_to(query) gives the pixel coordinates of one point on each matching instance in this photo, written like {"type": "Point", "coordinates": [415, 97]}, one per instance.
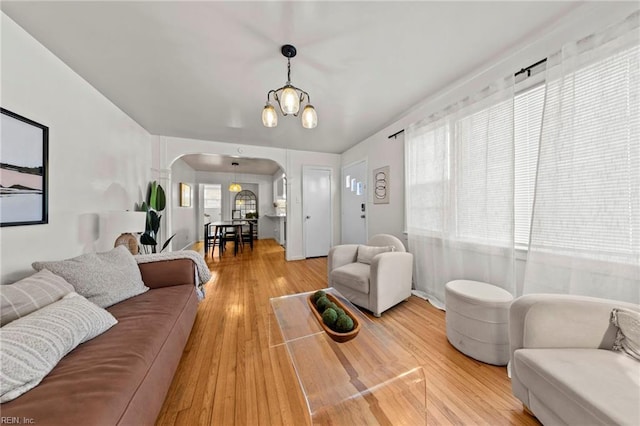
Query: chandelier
{"type": "Point", "coordinates": [289, 99]}
{"type": "Point", "coordinates": [235, 186]}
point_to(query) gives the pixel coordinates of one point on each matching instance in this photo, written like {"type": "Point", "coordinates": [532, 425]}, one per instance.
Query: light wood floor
{"type": "Point", "coordinates": [228, 374]}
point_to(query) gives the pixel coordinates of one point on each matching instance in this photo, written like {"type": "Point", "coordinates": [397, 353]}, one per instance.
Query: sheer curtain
{"type": "Point", "coordinates": [459, 174]}
{"type": "Point", "coordinates": [585, 231]}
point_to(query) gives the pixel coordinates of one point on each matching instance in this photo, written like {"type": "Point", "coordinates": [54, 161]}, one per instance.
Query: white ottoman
{"type": "Point", "coordinates": [477, 320]}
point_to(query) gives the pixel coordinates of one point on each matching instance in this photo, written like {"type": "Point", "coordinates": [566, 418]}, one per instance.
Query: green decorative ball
{"type": "Point", "coordinates": [344, 324]}
{"type": "Point", "coordinates": [317, 295]}
{"type": "Point", "coordinates": [322, 304]}
{"type": "Point", "coordinates": [329, 317]}
{"type": "Point", "coordinates": [334, 306]}
{"type": "Point", "coordinates": [340, 311]}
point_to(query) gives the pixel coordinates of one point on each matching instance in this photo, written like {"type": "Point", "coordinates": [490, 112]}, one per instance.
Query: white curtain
{"type": "Point", "coordinates": [585, 231]}
{"type": "Point", "coordinates": [459, 174]}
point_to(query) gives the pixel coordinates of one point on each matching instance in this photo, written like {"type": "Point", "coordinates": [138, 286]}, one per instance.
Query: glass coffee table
{"type": "Point", "coordinates": [370, 379]}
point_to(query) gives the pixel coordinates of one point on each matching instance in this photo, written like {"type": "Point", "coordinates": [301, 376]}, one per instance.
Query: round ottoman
{"type": "Point", "coordinates": [477, 320]}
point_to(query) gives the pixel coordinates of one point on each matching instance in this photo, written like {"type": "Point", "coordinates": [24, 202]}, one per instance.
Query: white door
{"type": "Point", "coordinates": [354, 203]}
{"type": "Point", "coordinates": [316, 211]}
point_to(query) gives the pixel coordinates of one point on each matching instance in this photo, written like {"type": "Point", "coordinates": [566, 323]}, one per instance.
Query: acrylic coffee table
{"type": "Point", "coordinates": [370, 379]}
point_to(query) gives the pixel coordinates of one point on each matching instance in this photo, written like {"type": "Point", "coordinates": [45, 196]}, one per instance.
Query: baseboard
{"type": "Point", "coordinates": [188, 246]}
{"type": "Point", "coordinates": [293, 258]}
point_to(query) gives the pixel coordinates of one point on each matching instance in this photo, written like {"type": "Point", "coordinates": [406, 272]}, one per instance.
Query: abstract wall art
{"type": "Point", "coordinates": [23, 170]}
{"type": "Point", "coordinates": [381, 185]}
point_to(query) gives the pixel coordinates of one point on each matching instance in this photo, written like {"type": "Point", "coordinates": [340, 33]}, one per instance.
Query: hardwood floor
{"type": "Point", "coordinates": [229, 375]}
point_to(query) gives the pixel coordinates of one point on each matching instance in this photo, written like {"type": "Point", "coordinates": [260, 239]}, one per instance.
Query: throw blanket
{"type": "Point", "coordinates": [203, 275]}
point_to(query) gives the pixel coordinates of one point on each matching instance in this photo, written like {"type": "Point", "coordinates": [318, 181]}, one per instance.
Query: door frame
{"type": "Point", "coordinates": [305, 169]}
{"type": "Point", "coordinates": [366, 198]}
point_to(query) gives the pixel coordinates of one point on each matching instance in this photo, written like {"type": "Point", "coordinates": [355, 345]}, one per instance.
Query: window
{"type": "Point", "coordinates": [527, 110]}
{"type": "Point", "coordinates": [212, 196]}
{"type": "Point", "coordinates": [246, 204]}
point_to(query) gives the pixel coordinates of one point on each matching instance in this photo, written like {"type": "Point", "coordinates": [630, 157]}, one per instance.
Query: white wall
{"type": "Point", "coordinates": [167, 149]}
{"type": "Point", "coordinates": [184, 219]}
{"type": "Point", "coordinates": [99, 158]}
{"type": "Point", "coordinates": [381, 151]}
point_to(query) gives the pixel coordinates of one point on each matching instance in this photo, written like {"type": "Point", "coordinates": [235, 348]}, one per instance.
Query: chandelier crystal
{"type": "Point", "coordinates": [289, 99]}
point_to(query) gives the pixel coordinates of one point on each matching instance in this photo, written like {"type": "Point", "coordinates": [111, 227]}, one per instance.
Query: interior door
{"type": "Point", "coordinates": [316, 211]}
{"type": "Point", "coordinates": [354, 203]}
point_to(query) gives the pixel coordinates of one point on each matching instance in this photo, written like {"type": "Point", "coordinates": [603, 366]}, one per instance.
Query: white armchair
{"type": "Point", "coordinates": [377, 286]}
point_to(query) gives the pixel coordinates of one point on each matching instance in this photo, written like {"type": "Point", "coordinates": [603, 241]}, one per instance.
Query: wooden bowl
{"type": "Point", "coordinates": [338, 337]}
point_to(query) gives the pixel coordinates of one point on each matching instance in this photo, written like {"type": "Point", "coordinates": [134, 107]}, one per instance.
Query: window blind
{"type": "Point", "coordinates": [528, 106]}
{"type": "Point", "coordinates": [588, 188]}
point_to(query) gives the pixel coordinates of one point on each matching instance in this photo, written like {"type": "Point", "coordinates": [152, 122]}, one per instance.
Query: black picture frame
{"type": "Point", "coordinates": [24, 168]}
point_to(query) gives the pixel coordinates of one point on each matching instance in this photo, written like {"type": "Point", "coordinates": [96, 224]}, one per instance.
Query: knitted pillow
{"type": "Point", "coordinates": [628, 337]}
{"type": "Point", "coordinates": [30, 294]}
{"type": "Point", "coordinates": [103, 278]}
{"type": "Point", "coordinates": [31, 346]}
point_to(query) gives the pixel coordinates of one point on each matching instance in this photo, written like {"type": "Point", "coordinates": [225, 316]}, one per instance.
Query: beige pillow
{"type": "Point", "coordinates": [31, 346]}
{"type": "Point", "coordinates": [30, 294]}
{"type": "Point", "coordinates": [367, 253]}
{"type": "Point", "coordinates": [628, 337]}
{"type": "Point", "coordinates": [103, 278]}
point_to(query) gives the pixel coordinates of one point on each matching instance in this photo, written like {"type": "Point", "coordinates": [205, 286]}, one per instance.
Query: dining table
{"type": "Point", "coordinates": [222, 226]}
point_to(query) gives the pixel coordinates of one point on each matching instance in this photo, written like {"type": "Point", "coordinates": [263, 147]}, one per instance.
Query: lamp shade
{"type": "Point", "coordinates": [127, 221]}
{"type": "Point", "coordinates": [269, 116]}
{"type": "Point", "coordinates": [289, 103]}
{"type": "Point", "coordinates": [309, 117]}
{"type": "Point", "coordinates": [235, 187]}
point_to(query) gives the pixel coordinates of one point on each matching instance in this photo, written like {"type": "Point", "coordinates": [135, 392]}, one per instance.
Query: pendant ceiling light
{"type": "Point", "coordinates": [235, 186]}
{"type": "Point", "coordinates": [289, 99]}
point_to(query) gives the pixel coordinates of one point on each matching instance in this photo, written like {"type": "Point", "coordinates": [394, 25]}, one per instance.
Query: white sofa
{"type": "Point", "coordinates": [562, 366]}
{"type": "Point", "coordinates": [378, 286]}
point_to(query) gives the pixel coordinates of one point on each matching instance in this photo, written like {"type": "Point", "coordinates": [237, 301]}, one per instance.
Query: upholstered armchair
{"type": "Point", "coordinates": [376, 276]}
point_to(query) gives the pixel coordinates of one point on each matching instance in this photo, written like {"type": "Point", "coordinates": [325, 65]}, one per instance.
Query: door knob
{"type": "Point", "coordinates": [308, 217]}
{"type": "Point", "coordinates": [362, 216]}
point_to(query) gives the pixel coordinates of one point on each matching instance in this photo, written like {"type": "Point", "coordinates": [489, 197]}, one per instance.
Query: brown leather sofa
{"type": "Point", "coordinates": [122, 376]}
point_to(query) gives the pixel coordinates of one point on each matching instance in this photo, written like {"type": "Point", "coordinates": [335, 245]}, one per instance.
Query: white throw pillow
{"type": "Point", "coordinates": [31, 346]}
{"type": "Point", "coordinates": [628, 337]}
{"type": "Point", "coordinates": [103, 278]}
{"type": "Point", "coordinates": [30, 294]}
{"type": "Point", "coordinates": [367, 253]}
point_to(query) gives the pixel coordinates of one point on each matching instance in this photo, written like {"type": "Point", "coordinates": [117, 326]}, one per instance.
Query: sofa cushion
{"type": "Point", "coordinates": [353, 275]}
{"type": "Point", "coordinates": [103, 278]}
{"type": "Point", "coordinates": [628, 334]}
{"type": "Point", "coordinates": [367, 253]}
{"type": "Point", "coordinates": [30, 294]}
{"type": "Point", "coordinates": [582, 386]}
{"type": "Point", "coordinates": [100, 378]}
{"type": "Point", "coordinates": [31, 346]}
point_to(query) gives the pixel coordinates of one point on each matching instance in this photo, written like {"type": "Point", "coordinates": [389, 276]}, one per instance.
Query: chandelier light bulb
{"type": "Point", "coordinates": [269, 116]}
{"type": "Point", "coordinates": [290, 102]}
{"type": "Point", "coordinates": [309, 117]}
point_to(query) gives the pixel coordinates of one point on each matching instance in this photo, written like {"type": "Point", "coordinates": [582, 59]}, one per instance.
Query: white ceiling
{"type": "Point", "coordinates": [203, 69]}
{"type": "Point", "coordinates": [219, 163]}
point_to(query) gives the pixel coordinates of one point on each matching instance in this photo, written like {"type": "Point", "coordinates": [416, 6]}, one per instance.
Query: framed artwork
{"type": "Point", "coordinates": [23, 170]}
{"type": "Point", "coordinates": [185, 195]}
{"type": "Point", "coordinates": [381, 185]}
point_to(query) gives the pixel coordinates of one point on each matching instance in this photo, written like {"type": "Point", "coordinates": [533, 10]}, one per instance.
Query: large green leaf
{"type": "Point", "coordinates": [157, 197]}
{"type": "Point", "coordinates": [147, 240]}
{"type": "Point", "coordinates": [166, 243]}
{"type": "Point", "coordinates": [153, 221]}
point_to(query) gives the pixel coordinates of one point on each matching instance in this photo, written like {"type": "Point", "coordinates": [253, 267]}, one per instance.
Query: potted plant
{"type": "Point", "coordinates": [156, 203]}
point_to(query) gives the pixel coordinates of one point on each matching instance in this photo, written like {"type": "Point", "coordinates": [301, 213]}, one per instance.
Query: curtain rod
{"type": "Point", "coordinates": [395, 134]}
{"type": "Point", "coordinates": [523, 70]}
{"type": "Point", "coordinates": [530, 67]}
